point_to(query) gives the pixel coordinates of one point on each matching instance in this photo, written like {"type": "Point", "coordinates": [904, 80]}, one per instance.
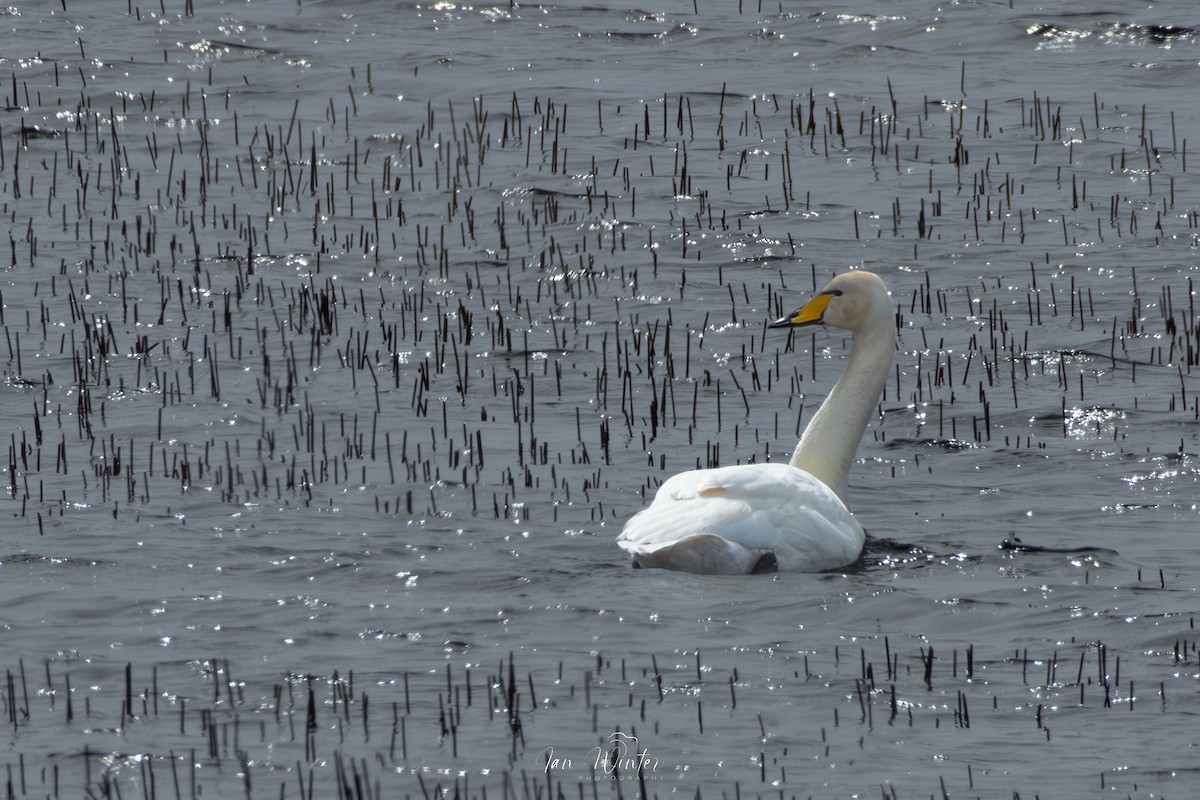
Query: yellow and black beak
{"type": "Point", "coordinates": [810, 314]}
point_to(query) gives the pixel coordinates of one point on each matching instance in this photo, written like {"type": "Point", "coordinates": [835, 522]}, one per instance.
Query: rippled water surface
{"type": "Point", "coordinates": [341, 338]}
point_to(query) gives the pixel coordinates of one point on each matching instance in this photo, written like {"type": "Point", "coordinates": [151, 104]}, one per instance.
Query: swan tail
{"type": "Point", "coordinates": [707, 554]}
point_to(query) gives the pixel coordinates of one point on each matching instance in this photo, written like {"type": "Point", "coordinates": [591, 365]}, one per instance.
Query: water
{"type": "Point", "coordinates": [342, 337]}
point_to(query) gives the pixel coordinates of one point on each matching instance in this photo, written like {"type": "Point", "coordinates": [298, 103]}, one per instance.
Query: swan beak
{"type": "Point", "coordinates": [810, 314]}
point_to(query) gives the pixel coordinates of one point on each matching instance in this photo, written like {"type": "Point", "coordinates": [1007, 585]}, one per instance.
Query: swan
{"type": "Point", "coordinates": [763, 517]}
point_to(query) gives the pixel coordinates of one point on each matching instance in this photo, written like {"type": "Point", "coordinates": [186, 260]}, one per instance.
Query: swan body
{"type": "Point", "coordinates": [762, 517]}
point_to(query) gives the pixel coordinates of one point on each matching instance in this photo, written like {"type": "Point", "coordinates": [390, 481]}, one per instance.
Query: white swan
{"type": "Point", "coordinates": [762, 517]}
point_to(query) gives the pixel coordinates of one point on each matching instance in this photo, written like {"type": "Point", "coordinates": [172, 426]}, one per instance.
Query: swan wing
{"type": "Point", "coordinates": [734, 515]}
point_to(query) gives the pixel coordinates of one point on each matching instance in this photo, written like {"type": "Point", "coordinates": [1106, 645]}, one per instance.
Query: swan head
{"type": "Point", "coordinates": [851, 301]}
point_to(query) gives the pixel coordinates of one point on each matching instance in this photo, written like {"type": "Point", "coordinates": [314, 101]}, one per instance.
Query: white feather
{"type": "Point", "coordinates": [753, 509]}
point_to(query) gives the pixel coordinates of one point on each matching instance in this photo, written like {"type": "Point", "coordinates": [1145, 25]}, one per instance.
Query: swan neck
{"type": "Point", "coordinates": [827, 448]}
